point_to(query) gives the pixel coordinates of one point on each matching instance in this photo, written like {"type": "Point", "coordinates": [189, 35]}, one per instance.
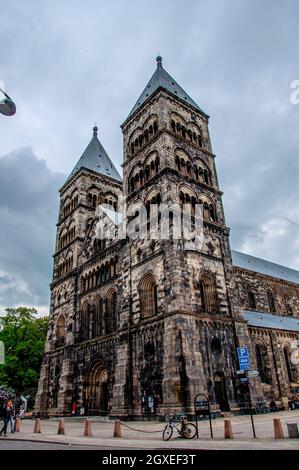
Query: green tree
{"type": "Point", "coordinates": [23, 334]}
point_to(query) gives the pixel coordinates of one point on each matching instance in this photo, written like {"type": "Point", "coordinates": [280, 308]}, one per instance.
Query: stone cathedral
{"type": "Point", "coordinates": [140, 324]}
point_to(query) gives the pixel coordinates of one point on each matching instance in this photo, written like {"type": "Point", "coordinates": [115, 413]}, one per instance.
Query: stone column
{"type": "Point", "coordinates": [182, 363]}
{"type": "Point", "coordinates": [278, 368]}
{"type": "Point", "coordinates": [41, 399]}
{"type": "Point", "coordinates": [120, 387]}
{"type": "Point", "coordinates": [65, 393]}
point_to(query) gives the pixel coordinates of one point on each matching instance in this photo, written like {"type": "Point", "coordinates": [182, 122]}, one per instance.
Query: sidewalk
{"type": "Point", "coordinates": [148, 435]}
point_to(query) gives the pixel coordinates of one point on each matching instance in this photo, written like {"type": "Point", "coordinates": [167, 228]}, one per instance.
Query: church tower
{"type": "Point", "coordinates": [93, 181]}
{"type": "Point", "coordinates": [144, 319]}
{"type": "Point", "coordinates": [180, 306]}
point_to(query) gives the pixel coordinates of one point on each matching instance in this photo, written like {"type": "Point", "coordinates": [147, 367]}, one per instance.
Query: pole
{"type": "Point", "coordinates": [250, 405]}
{"type": "Point", "coordinates": [210, 419]}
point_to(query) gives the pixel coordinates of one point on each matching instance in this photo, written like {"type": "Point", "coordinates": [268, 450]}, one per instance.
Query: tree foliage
{"type": "Point", "coordinates": [23, 334]}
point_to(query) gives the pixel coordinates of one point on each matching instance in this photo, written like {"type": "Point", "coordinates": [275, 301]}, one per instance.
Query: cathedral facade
{"type": "Point", "coordinates": [148, 301]}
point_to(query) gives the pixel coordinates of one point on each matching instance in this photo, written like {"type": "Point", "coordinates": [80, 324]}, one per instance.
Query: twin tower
{"type": "Point", "coordinates": [140, 325]}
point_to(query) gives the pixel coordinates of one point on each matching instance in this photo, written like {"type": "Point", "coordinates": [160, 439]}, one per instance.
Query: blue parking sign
{"type": "Point", "coordinates": [243, 357]}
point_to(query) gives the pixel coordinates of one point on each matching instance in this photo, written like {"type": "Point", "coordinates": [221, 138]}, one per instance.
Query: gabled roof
{"type": "Point", "coordinates": [266, 320]}
{"type": "Point", "coordinates": [161, 79]}
{"type": "Point", "coordinates": [95, 158]}
{"type": "Point", "coordinates": [258, 265]}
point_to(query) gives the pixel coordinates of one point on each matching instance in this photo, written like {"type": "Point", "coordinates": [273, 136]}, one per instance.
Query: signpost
{"type": "Point", "coordinates": [243, 357]}
{"type": "Point", "coordinates": [202, 408]}
{"type": "Point", "coordinates": [244, 364]}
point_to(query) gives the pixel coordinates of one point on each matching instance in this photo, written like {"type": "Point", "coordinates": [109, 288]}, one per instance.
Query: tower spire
{"type": "Point", "coordinates": [162, 80]}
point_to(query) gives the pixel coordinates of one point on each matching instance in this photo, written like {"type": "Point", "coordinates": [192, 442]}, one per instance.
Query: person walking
{"type": "Point", "coordinates": [22, 411]}
{"type": "Point", "coordinates": [10, 415]}
{"type": "Point", "coordinates": [4, 416]}
{"type": "Point", "coordinates": [74, 408]}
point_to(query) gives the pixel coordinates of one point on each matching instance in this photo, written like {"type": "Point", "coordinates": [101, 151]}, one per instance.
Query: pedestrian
{"type": "Point", "coordinates": [22, 411]}
{"type": "Point", "coordinates": [74, 407]}
{"type": "Point", "coordinates": [10, 415]}
{"type": "Point", "coordinates": [4, 415]}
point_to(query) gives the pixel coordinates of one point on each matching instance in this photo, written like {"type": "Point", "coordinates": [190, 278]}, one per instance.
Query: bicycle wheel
{"type": "Point", "coordinates": [167, 433]}
{"type": "Point", "coordinates": [190, 431]}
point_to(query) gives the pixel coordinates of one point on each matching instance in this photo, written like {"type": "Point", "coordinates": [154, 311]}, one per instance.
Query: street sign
{"type": "Point", "coordinates": [243, 357]}
{"type": "Point", "coordinates": [253, 373]}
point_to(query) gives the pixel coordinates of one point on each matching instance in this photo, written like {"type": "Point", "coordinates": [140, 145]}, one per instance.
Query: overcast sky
{"type": "Point", "coordinates": [69, 64]}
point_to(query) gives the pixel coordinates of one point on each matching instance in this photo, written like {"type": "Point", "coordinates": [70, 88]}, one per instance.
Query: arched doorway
{"type": "Point", "coordinates": [96, 392]}
{"type": "Point", "coordinates": [221, 392]}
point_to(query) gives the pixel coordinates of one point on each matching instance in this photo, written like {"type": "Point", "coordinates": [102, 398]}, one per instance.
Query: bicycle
{"type": "Point", "coordinates": [187, 430]}
{"type": "Point", "coordinates": [261, 408]}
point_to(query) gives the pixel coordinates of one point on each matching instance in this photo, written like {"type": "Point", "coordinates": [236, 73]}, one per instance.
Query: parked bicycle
{"type": "Point", "coordinates": [180, 424]}
{"type": "Point", "coordinates": [261, 408]}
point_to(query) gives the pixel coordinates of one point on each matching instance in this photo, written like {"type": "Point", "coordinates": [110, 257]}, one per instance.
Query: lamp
{"type": "Point", "coordinates": [7, 106]}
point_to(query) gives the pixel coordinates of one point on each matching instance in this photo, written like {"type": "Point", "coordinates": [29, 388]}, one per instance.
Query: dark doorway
{"type": "Point", "coordinates": [96, 392]}
{"type": "Point", "coordinates": [103, 398]}
{"type": "Point", "coordinates": [221, 392]}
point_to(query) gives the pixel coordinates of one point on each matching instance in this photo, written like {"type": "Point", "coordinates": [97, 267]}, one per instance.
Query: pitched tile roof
{"type": "Point", "coordinates": [262, 266]}
{"type": "Point", "coordinates": [95, 158]}
{"type": "Point", "coordinates": [266, 320]}
{"type": "Point", "coordinates": [161, 79]}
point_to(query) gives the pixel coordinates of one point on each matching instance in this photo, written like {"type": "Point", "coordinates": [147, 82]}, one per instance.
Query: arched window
{"type": "Point", "coordinates": [60, 331]}
{"type": "Point", "coordinates": [61, 326]}
{"type": "Point", "coordinates": [216, 346]}
{"type": "Point", "coordinates": [199, 140]}
{"type": "Point", "coordinates": [261, 362]}
{"type": "Point", "coordinates": [208, 293]}
{"type": "Point", "coordinates": [288, 305]}
{"type": "Point", "coordinates": [206, 176]}
{"type": "Point", "coordinates": [212, 212]}
{"type": "Point", "coordinates": [148, 296]}
{"type": "Point", "coordinates": [111, 314]}
{"type": "Point", "coordinates": [251, 298]}
{"type": "Point", "coordinates": [85, 322]}
{"type": "Point", "coordinates": [291, 368]}
{"type": "Point", "coordinates": [97, 325]}
{"type": "Point", "coordinates": [271, 300]}
{"type": "Point", "coordinates": [68, 263]}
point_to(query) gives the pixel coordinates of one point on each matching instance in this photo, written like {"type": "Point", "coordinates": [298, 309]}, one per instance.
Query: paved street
{"type": "Point", "coordinates": [28, 445]}
{"type": "Point", "coordinates": [148, 435]}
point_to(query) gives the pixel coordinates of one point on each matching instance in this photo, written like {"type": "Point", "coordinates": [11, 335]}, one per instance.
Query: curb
{"type": "Point", "coordinates": [19, 439]}
{"type": "Point", "coordinates": [69, 444]}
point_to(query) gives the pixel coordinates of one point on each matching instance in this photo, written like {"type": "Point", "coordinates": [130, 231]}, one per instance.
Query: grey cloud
{"type": "Point", "coordinates": [68, 67]}
{"type": "Point", "coordinates": [28, 213]}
